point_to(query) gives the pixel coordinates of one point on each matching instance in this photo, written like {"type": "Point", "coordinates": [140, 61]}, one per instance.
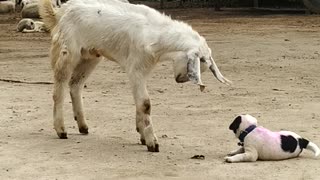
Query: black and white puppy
{"type": "Point", "coordinates": [260, 143]}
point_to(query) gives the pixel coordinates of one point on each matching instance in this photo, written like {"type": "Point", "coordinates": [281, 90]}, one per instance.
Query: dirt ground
{"type": "Point", "coordinates": [272, 59]}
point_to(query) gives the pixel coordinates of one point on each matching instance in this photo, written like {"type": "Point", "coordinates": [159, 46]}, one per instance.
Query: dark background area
{"type": "Point", "coordinates": [223, 3]}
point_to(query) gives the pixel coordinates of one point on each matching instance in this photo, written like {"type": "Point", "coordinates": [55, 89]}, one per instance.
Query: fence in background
{"type": "Point", "coordinates": [217, 4]}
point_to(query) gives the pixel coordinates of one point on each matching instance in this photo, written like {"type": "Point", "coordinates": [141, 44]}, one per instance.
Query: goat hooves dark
{"type": "Point", "coordinates": [143, 142]}
{"type": "Point", "coordinates": [84, 130]}
{"type": "Point", "coordinates": [153, 148]}
{"type": "Point", "coordinates": [63, 135]}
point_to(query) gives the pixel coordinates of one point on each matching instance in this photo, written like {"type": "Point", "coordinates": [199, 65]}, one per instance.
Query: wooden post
{"type": "Point", "coordinates": [256, 3]}
{"type": "Point", "coordinates": [161, 4]}
{"type": "Point", "coordinates": [217, 5]}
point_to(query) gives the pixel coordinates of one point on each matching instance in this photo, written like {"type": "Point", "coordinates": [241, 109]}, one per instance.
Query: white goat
{"type": "Point", "coordinates": [135, 36]}
{"type": "Point", "coordinates": [30, 11]}
{"type": "Point", "coordinates": [55, 3]}
{"type": "Point", "coordinates": [27, 25]}
{"type": "Point", "coordinates": [30, 8]}
{"type": "Point", "coordinates": [7, 7]}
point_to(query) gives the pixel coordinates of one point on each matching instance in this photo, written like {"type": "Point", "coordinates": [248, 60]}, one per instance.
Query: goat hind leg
{"type": "Point", "coordinates": [62, 73]}
{"type": "Point", "coordinates": [80, 74]}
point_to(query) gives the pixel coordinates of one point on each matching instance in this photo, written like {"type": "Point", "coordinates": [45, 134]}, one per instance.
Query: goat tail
{"type": "Point", "coordinates": [48, 14]}
{"type": "Point", "coordinates": [305, 144]}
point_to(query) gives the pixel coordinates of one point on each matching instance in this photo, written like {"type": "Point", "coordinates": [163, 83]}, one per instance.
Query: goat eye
{"type": "Point", "coordinates": [202, 60]}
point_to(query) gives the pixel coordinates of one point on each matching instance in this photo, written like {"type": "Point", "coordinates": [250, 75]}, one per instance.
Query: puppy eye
{"type": "Point", "coordinates": [31, 23]}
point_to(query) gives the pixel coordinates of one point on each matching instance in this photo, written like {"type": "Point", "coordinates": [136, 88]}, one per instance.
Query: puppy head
{"type": "Point", "coordinates": [241, 122]}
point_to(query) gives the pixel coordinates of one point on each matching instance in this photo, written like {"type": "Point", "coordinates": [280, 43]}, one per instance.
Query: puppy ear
{"type": "Point", "coordinates": [235, 124]}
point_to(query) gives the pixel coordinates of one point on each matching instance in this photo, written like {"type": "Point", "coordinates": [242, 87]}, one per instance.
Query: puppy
{"type": "Point", "coordinates": [260, 143]}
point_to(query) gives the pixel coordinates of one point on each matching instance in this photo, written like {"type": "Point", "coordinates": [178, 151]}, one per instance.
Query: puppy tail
{"type": "Point", "coordinates": [305, 144]}
{"type": "Point", "coordinates": [314, 148]}
{"type": "Point", "coordinates": [48, 14]}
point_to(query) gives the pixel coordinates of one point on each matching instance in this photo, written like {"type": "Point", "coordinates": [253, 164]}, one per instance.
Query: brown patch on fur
{"type": "Point", "coordinates": [147, 106]}
{"type": "Point", "coordinates": [91, 53]}
{"type": "Point", "coordinates": [55, 97]}
{"type": "Point", "coordinates": [94, 52]}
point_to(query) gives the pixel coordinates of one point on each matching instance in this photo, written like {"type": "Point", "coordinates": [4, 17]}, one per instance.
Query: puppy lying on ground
{"type": "Point", "coordinates": [27, 25]}
{"type": "Point", "coordinates": [260, 143]}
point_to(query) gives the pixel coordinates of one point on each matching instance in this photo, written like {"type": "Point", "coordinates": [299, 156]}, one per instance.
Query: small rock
{"type": "Point", "coordinates": [201, 157]}
{"type": "Point", "coordinates": [164, 136]}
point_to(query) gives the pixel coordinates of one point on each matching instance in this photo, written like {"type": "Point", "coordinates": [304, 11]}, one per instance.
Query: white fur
{"type": "Point", "coordinates": [38, 27]}
{"type": "Point", "coordinates": [7, 7]}
{"type": "Point", "coordinates": [55, 3]}
{"type": "Point", "coordinates": [27, 25]}
{"type": "Point", "coordinates": [134, 36]}
{"type": "Point", "coordinates": [263, 144]}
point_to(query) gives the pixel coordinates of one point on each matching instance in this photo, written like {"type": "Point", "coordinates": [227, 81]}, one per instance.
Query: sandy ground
{"type": "Point", "coordinates": [273, 60]}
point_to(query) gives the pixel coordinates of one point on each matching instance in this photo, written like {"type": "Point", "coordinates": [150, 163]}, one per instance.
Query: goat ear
{"type": "Point", "coordinates": [235, 124]}
{"type": "Point", "coordinates": [193, 69]}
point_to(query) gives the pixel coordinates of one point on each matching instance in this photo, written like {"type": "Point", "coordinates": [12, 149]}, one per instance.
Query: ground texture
{"type": "Point", "coordinates": [273, 60]}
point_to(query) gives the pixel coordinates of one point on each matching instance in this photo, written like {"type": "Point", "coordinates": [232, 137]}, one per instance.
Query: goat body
{"type": "Point", "coordinates": [135, 36]}
{"type": "Point", "coordinates": [7, 7]}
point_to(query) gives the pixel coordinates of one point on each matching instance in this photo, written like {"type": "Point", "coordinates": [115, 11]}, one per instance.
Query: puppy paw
{"type": "Point", "coordinates": [228, 159]}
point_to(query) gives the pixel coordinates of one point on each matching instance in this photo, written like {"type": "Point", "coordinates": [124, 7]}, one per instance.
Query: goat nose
{"type": "Point", "coordinates": [177, 78]}
{"type": "Point", "coordinates": [181, 79]}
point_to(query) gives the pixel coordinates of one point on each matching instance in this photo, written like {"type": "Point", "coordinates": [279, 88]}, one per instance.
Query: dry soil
{"type": "Point", "coordinates": [272, 59]}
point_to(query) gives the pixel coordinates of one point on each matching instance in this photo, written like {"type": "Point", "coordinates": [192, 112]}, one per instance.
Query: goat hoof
{"type": "Point", "coordinates": [83, 130]}
{"type": "Point", "coordinates": [63, 135]}
{"type": "Point", "coordinates": [153, 148]}
{"type": "Point", "coordinates": [143, 142]}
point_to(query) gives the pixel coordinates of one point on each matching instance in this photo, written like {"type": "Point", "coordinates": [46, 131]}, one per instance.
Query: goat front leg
{"type": "Point", "coordinates": [143, 113]}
